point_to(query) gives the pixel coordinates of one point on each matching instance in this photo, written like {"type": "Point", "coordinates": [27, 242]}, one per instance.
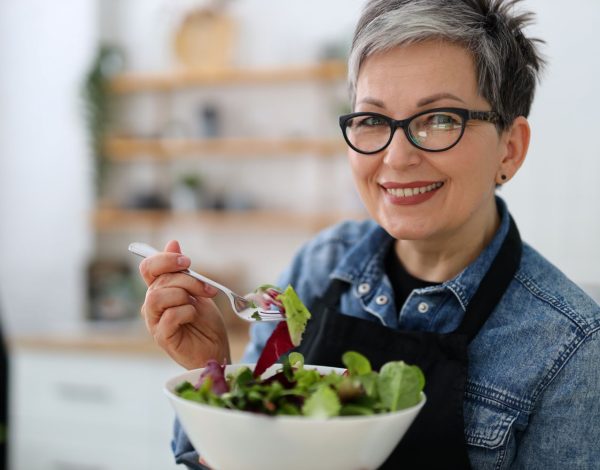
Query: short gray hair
{"type": "Point", "coordinates": [507, 63]}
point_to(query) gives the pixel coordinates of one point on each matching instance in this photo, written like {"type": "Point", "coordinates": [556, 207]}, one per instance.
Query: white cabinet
{"type": "Point", "coordinates": [90, 410]}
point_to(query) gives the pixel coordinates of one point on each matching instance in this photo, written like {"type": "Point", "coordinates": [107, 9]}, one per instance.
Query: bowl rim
{"type": "Point", "coordinates": [168, 389]}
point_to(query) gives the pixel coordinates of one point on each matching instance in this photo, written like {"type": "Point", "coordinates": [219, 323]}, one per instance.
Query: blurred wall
{"type": "Point", "coordinates": [45, 192]}
{"type": "Point", "coordinates": [270, 32]}
{"type": "Point", "coordinates": [555, 197]}
{"type": "Point", "coordinates": [45, 167]}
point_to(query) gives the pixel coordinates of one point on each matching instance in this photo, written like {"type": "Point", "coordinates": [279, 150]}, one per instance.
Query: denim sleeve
{"type": "Point", "coordinates": [183, 450]}
{"type": "Point", "coordinates": [564, 430]}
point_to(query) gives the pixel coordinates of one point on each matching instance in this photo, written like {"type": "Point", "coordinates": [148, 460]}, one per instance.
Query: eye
{"type": "Point", "coordinates": [442, 121]}
{"type": "Point", "coordinates": [368, 121]}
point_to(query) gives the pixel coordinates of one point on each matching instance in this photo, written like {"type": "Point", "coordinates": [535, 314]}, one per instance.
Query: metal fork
{"type": "Point", "coordinates": [242, 307]}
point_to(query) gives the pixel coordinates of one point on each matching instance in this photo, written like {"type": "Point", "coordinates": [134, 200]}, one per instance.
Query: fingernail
{"type": "Point", "coordinates": [183, 261]}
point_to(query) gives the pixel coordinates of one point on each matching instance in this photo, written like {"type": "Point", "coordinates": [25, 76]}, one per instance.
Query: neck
{"type": "Point", "coordinates": [443, 257]}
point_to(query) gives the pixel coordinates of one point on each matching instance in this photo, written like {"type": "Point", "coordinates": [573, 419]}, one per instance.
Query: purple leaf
{"type": "Point", "coordinates": [216, 372]}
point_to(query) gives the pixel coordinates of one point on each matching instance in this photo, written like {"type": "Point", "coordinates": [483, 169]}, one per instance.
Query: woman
{"type": "Point", "coordinates": [441, 92]}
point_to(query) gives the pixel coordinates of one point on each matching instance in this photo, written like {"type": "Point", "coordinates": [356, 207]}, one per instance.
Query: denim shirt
{"type": "Point", "coordinates": [533, 389]}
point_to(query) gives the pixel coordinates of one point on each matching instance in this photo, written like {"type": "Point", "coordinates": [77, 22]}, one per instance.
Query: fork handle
{"type": "Point", "coordinates": [144, 250]}
{"type": "Point", "coordinates": [206, 280]}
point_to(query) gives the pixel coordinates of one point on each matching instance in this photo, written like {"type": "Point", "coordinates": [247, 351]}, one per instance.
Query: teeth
{"type": "Point", "coordinates": [406, 192]}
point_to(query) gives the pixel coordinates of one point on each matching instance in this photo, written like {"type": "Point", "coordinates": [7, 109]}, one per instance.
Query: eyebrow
{"type": "Point", "coordinates": [437, 97]}
{"type": "Point", "coordinates": [422, 102]}
{"type": "Point", "coordinates": [373, 101]}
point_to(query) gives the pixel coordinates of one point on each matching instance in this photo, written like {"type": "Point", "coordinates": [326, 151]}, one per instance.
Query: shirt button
{"type": "Point", "coordinates": [381, 300]}
{"type": "Point", "coordinates": [364, 288]}
{"type": "Point", "coordinates": [423, 307]}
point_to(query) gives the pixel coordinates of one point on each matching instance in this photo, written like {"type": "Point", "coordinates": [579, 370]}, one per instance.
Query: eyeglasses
{"type": "Point", "coordinates": [434, 130]}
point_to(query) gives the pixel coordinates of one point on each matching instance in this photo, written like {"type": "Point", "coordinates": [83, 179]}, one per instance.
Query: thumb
{"type": "Point", "coordinates": [173, 247]}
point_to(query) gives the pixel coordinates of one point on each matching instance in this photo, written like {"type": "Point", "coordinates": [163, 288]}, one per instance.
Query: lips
{"type": "Point", "coordinates": [411, 193]}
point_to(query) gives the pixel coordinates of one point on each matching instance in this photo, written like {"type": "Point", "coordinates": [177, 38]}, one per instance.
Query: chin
{"type": "Point", "coordinates": [404, 230]}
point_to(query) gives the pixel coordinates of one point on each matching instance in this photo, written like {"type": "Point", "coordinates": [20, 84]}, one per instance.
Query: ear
{"type": "Point", "coordinates": [514, 143]}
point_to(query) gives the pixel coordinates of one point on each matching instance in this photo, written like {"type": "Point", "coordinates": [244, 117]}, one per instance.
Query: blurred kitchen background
{"type": "Point", "coordinates": [214, 123]}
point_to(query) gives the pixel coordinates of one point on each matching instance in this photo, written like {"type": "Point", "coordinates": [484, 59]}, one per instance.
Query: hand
{"type": "Point", "coordinates": [179, 311]}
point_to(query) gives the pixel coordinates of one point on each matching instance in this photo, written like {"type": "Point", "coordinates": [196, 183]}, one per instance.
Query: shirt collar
{"type": "Point", "coordinates": [465, 284]}
{"type": "Point", "coordinates": [365, 261]}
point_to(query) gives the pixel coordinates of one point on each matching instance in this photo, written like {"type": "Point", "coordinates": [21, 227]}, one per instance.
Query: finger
{"type": "Point", "coordinates": [158, 300]}
{"type": "Point", "coordinates": [150, 320]}
{"type": "Point", "coordinates": [192, 285]}
{"type": "Point", "coordinates": [171, 322]}
{"type": "Point", "coordinates": [173, 247]}
{"type": "Point", "coordinates": [161, 263]}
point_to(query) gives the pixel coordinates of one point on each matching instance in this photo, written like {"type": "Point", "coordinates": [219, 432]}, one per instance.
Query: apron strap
{"type": "Point", "coordinates": [494, 283]}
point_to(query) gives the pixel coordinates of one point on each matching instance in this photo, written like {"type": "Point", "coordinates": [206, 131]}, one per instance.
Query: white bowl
{"type": "Point", "coordinates": [238, 440]}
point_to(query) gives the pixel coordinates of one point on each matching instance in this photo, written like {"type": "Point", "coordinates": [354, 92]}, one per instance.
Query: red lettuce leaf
{"type": "Point", "coordinates": [278, 344]}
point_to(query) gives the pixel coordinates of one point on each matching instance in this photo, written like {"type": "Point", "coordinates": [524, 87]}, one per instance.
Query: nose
{"type": "Point", "coordinates": [400, 153]}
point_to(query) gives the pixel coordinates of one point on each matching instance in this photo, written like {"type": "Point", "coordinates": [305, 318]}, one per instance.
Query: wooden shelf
{"type": "Point", "coordinates": [112, 219]}
{"type": "Point", "coordinates": [139, 82]}
{"type": "Point", "coordinates": [114, 342]}
{"type": "Point", "coordinates": [126, 148]}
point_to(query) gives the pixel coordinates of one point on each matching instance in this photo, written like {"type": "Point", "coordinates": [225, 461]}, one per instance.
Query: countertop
{"type": "Point", "coordinates": [109, 339]}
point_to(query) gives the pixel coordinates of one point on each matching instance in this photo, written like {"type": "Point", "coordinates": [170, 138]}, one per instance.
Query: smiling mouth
{"type": "Point", "coordinates": [408, 192]}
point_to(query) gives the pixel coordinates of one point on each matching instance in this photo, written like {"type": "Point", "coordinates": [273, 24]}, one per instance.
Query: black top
{"type": "Point", "coordinates": [403, 283]}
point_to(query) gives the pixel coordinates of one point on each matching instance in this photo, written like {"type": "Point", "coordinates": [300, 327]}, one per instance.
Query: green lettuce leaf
{"type": "Point", "coordinates": [356, 363]}
{"type": "Point", "coordinates": [399, 385]}
{"type": "Point", "coordinates": [297, 315]}
{"type": "Point", "coordinates": [323, 403]}
{"type": "Point", "coordinates": [296, 359]}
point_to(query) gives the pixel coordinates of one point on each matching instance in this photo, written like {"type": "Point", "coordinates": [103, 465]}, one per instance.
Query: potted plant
{"type": "Point", "coordinates": [107, 63]}
{"type": "Point", "coordinates": [187, 193]}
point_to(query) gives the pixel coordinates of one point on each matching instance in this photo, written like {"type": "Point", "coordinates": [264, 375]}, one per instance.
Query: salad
{"type": "Point", "coordinates": [298, 390]}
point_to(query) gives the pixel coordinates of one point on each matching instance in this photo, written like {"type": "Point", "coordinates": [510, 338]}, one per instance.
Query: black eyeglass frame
{"type": "Point", "coordinates": [466, 115]}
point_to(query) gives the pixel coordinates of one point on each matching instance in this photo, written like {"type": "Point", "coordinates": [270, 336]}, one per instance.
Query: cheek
{"type": "Point", "coordinates": [363, 167]}
{"type": "Point", "coordinates": [474, 183]}
{"type": "Point", "coordinates": [485, 152]}
{"type": "Point", "coordinates": [477, 163]}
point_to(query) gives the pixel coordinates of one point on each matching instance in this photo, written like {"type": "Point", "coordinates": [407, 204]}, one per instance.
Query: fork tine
{"type": "Point", "coordinates": [269, 315]}
{"type": "Point", "coordinates": [270, 318]}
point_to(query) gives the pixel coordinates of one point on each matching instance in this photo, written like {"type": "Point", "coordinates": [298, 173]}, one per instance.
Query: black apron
{"type": "Point", "coordinates": [436, 440]}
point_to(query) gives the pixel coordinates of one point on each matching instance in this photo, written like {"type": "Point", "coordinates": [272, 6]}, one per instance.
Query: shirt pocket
{"type": "Point", "coordinates": [488, 424]}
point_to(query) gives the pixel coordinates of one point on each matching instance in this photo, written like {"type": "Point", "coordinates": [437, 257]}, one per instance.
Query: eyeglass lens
{"type": "Point", "coordinates": [431, 131]}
